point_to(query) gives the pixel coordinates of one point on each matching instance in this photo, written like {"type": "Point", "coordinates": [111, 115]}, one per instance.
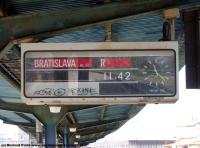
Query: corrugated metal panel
{"type": "Point", "coordinates": [116, 112]}
{"type": "Point", "coordinates": [138, 28]}
{"type": "Point", "coordinates": [96, 34]}
{"type": "Point", "coordinates": [6, 90]}
{"type": "Point", "coordinates": [11, 100]}
{"type": "Point", "coordinates": [30, 116]}
{"type": "Point", "coordinates": [12, 116]}
{"type": "Point", "coordinates": [90, 115]}
{"type": "Point", "coordinates": [91, 136]}
{"type": "Point", "coordinates": [32, 6]}
{"type": "Point", "coordinates": [146, 27]}
{"type": "Point", "coordinates": [16, 7]}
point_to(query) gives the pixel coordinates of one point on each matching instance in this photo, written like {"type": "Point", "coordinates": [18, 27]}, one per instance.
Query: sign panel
{"type": "Point", "coordinates": [96, 73]}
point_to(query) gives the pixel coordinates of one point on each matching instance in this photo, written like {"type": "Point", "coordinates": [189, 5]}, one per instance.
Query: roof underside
{"type": "Point", "coordinates": [92, 122]}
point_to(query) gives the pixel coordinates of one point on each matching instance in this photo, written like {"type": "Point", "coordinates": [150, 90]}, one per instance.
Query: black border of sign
{"type": "Point", "coordinates": [175, 92]}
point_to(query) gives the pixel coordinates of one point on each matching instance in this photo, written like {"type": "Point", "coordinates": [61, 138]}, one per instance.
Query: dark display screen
{"type": "Point", "coordinates": [100, 73]}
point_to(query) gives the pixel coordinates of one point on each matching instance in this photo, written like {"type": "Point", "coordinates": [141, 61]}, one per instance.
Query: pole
{"type": "Point", "coordinates": [66, 136]}
{"type": "Point", "coordinates": [50, 136]}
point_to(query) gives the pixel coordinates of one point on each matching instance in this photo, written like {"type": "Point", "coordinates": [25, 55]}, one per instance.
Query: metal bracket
{"type": "Point", "coordinates": [108, 32]}
{"type": "Point", "coordinates": [169, 17]}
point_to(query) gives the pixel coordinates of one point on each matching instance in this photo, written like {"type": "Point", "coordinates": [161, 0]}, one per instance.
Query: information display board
{"type": "Point", "coordinates": [99, 73]}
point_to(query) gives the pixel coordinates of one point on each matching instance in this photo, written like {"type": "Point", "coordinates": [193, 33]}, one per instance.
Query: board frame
{"type": "Point", "coordinates": [98, 46]}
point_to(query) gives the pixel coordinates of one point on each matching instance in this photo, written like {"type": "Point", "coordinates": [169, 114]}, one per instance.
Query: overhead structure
{"type": "Point", "coordinates": [75, 21]}
{"type": "Point", "coordinates": [192, 48]}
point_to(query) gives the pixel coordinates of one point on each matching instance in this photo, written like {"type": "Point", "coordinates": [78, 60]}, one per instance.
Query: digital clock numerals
{"type": "Point", "coordinates": [123, 76]}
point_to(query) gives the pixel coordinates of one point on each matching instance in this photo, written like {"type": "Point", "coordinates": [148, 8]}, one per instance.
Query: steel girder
{"type": "Point", "coordinates": [38, 23]}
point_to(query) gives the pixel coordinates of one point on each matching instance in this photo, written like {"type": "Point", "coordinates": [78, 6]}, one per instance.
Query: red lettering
{"type": "Point", "coordinates": [115, 62]}
{"type": "Point", "coordinates": [84, 62]}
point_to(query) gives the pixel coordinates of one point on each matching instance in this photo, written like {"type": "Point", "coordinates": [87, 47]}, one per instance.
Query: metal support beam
{"type": "Point", "coordinates": [18, 107]}
{"type": "Point", "coordinates": [4, 71]}
{"type": "Point", "coordinates": [181, 40]}
{"type": "Point", "coordinates": [108, 32]}
{"type": "Point", "coordinates": [8, 97]}
{"type": "Point", "coordinates": [99, 124]}
{"type": "Point", "coordinates": [192, 48]}
{"type": "Point", "coordinates": [21, 107]}
{"type": "Point", "coordinates": [77, 108]}
{"type": "Point", "coordinates": [50, 135]}
{"type": "Point", "coordinates": [21, 26]}
{"type": "Point", "coordinates": [9, 76]}
{"type": "Point", "coordinates": [71, 116]}
{"type": "Point", "coordinates": [98, 130]}
{"type": "Point", "coordinates": [9, 121]}
{"type": "Point", "coordinates": [50, 122]}
{"type": "Point", "coordinates": [25, 117]}
{"type": "Point", "coordinates": [44, 115]}
{"type": "Point", "coordinates": [8, 47]}
{"type": "Point", "coordinates": [66, 136]}
{"type": "Point", "coordinates": [102, 113]}
{"type": "Point", "coordinates": [20, 123]}
{"type": "Point", "coordinates": [171, 15]}
{"type": "Point", "coordinates": [73, 110]}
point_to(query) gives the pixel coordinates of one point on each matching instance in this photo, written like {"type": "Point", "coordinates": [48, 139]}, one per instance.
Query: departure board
{"type": "Point", "coordinates": [100, 73]}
